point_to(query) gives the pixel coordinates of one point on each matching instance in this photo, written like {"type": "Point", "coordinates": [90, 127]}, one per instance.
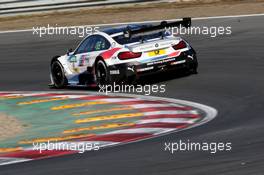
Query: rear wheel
{"type": "Point", "coordinates": [102, 74]}
{"type": "Point", "coordinates": [192, 65]}
{"type": "Point", "coordinates": [193, 68]}
{"type": "Point", "coordinates": [58, 75]}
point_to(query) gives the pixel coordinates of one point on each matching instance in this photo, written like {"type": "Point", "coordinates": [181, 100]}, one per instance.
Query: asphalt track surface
{"type": "Point", "coordinates": [230, 79]}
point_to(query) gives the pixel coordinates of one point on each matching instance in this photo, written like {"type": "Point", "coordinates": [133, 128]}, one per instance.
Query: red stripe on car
{"type": "Point", "coordinates": [175, 54]}
{"type": "Point", "coordinates": [108, 54]}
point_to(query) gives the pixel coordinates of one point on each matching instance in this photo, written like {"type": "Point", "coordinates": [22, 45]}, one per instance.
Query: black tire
{"type": "Point", "coordinates": [102, 73]}
{"type": "Point", "coordinates": [193, 66]}
{"type": "Point", "coordinates": [58, 75]}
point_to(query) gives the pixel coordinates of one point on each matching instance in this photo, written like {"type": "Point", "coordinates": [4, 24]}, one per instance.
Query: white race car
{"type": "Point", "coordinates": [122, 55]}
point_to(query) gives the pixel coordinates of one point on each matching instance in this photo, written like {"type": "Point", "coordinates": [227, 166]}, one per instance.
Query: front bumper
{"type": "Point", "coordinates": [134, 70]}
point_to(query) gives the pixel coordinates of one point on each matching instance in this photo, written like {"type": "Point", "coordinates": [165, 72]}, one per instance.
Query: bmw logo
{"type": "Point", "coordinates": [156, 45]}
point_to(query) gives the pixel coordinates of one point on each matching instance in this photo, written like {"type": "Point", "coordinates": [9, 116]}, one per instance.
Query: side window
{"type": "Point", "coordinates": [100, 43]}
{"type": "Point", "coordinates": [93, 43]}
{"type": "Point", "coordinates": [86, 45]}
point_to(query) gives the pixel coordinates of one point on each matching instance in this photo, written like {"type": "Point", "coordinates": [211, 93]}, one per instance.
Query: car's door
{"type": "Point", "coordinates": [79, 60]}
{"type": "Point", "coordinates": [85, 55]}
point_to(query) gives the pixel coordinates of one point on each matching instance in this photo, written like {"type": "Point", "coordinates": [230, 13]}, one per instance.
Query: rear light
{"type": "Point", "coordinates": [180, 45]}
{"type": "Point", "coordinates": [129, 55]}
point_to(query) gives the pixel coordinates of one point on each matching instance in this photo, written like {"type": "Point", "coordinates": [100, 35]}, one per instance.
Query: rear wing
{"type": "Point", "coordinates": [185, 22]}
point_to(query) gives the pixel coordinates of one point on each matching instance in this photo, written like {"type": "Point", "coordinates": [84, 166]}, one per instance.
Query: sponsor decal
{"type": "Point", "coordinates": [114, 72]}
{"type": "Point", "coordinates": [131, 68]}
{"type": "Point", "coordinates": [154, 59]}
{"type": "Point", "coordinates": [145, 69]}
{"type": "Point", "coordinates": [178, 62]}
{"type": "Point", "coordinates": [161, 61]}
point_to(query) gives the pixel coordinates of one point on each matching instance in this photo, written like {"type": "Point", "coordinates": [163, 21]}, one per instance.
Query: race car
{"type": "Point", "coordinates": [124, 54]}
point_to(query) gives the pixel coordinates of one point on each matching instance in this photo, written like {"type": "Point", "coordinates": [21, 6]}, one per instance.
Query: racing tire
{"type": "Point", "coordinates": [193, 66]}
{"type": "Point", "coordinates": [58, 75]}
{"type": "Point", "coordinates": [102, 73]}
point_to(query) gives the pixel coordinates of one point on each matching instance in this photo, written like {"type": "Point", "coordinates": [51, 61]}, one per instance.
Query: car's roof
{"type": "Point", "coordinates": [119, 29]}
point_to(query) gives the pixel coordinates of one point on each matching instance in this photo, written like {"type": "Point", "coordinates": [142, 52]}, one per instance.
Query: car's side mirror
{"type": "Point", "coordinates": [69, 51]}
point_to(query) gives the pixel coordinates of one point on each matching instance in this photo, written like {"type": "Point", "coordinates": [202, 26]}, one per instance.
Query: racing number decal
{"type": "Point", "coordinates": [83, 60]}
{"type": "Point", "coordinates": [72, 61]}
{"type": "Point", "coordinates": [157, 52]}
{"type": "Point", "coordinates": [78, 62]}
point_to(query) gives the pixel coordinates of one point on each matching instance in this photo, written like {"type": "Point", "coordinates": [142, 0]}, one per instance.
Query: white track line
{"type": "Point", "coordinates": [8, 160]}
{"type": "Point", "coordinates": [117, 100]}
{"type": "Point", "coordinates": [67, 96]}
{"type": "Point", "coordinates": [24, 95]}
{"type": "Point", "coordinates": [141, 131]}
{"type": "Point", "coordinates": [70, 96]}
{"type": "Point", "coordinates": [170, 112]}
{"type": "Point", "coordinates": [167, 120]}
{"type": "Point", "coordinates": [141, 22]}
{"type": "Point", "coordinates": [140, 106]}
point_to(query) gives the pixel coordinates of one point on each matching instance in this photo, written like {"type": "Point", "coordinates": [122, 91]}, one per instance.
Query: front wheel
{"type": "Point", "coordinates": [58, 75]}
